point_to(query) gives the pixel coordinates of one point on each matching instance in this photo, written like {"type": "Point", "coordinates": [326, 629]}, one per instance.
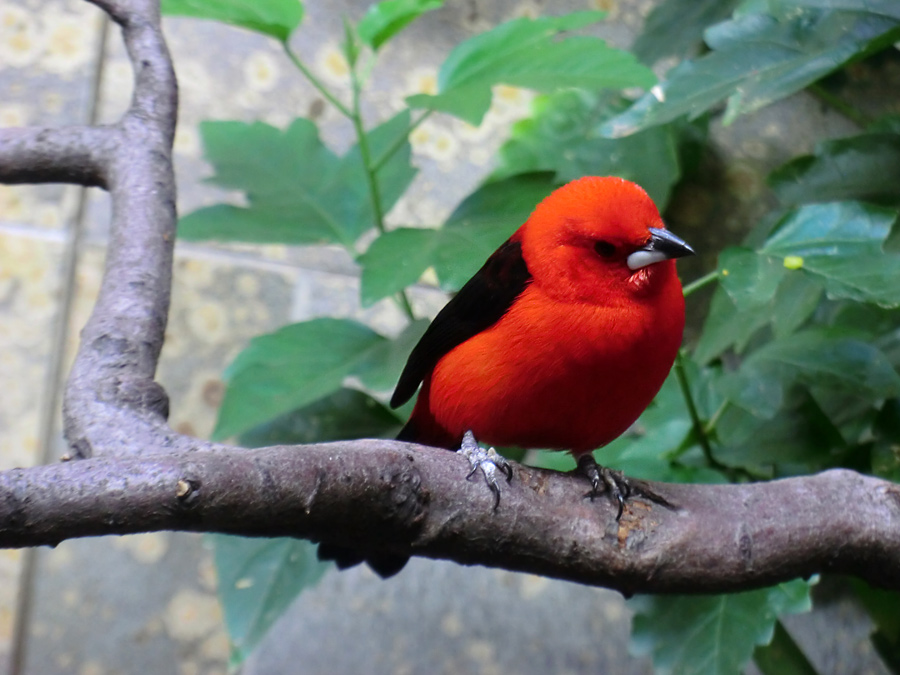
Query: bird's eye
{"type": "Point", "coordinates": [604, 249]}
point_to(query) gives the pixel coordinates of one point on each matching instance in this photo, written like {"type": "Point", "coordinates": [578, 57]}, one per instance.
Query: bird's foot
{"type": "Point", "coordinates": [488, 462]}
{"type": "Point", "coordinates": [604, 479]}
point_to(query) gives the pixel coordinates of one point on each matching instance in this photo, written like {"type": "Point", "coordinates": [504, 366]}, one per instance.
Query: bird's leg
{"type": "Point", "coordinates": [617, 484]}
{"type": "Point", "coordinates": [614, 482]}
{"type": "Point", "coordinates": [486, 461]}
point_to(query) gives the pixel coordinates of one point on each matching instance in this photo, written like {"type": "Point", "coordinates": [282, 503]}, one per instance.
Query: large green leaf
{"type": "Point", "coordinates": [676, 26]}
{"type": "Point", "coordinates": [277, 18]}
{"type": "Point", "coordinates": [864, 167]}
{"type": "Point", "coordinates": [760, 58]}
{"type": "Point", "coordinates": [258, 580]}
{"type": "Point", "coordinates": [815, 357]}
{"type": "Point", "coordinates": [298, 191]}
{"type": "Point", "coordinates": [729, 325]}
{"type": "Point", "coordinates": [385, 19]}
{"type": "Point", "coordinates": [798, 439]}
{"type": "Point", "coordinates": [394, 261]}
{"type": "Point", "coordinates": [782, 656]}
{"type": "Point", "coordinates": [840, 244]}
{"type": "Point", "coordinates": [711, 634]}
{"type": "Point", "coordinates": [525, 53]}
{"type": "Point", "coordinates": [291, 368]}
{"type": "Point", "coordinates": [483, 221]}
{"type": "Point", "coordinates": [561, 136]}
{"type": "Point", "coordinates": [345, 414]}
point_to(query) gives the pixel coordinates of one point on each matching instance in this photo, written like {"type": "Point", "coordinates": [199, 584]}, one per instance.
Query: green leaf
{"type": "Point", "coordinates": [258, 580]}
{"type": "Point", "coordinates": [483, 221]}
{"type": "Point", "coordinates": [345, 414]}
{"type": "Point", "coordinates": [797, 439]}
{"type": "Point", "coordinates": [291, 368]}
{"type": "Point", "coordinates": [298, 191]}
{"type": "Point", "coordinates": [882, 608]}
{"type": "Point", "coordinates": [394, 261]}
{"type": "Point", "coordinates": [864, 167]}
{"type": "Point", "coordinates": [562, 136]}
{"type": "Point", "coordinates": [525, 53]}
{"type": "Point", "coordinates": [782, 656]}
{"type": "Point", "coordinates": [385, 19]}
{"type": "Point", "coordinates": [840, 244]}
{"type": "Point", "coordinates": [726, 326]}
{"type": "Point", "coordinates": [382, 369]}
{"type": "Point", "coordinates": [815, 357]}
{"type": "Point", "coordinates": [711, 634]}
{"type": "Point", "coordinates": [676, 26]}
{"type": "Point", "coordinates": [277, 18]}
{"type": "Point", "coordinates": [760, 58]}
{"type": "Point", "coordinates": [749, 279]}
{"type": "Point", "coordinates": [475, 229]}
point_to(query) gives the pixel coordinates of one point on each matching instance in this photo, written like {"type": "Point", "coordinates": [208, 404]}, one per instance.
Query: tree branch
{"type": "Point", "coordinates": [378, 495]}
{"type": "Point", "coordinates": [77, 155]}
{"type": "Point", "coordinates": [391, 496]}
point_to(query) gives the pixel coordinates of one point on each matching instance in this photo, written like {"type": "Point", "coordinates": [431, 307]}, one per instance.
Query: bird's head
{"type": "Point", "coordinates": [600, 240]}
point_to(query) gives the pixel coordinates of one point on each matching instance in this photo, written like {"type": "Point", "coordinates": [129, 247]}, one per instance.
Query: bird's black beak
{"type": "Point", "coordinates": [663, 245]}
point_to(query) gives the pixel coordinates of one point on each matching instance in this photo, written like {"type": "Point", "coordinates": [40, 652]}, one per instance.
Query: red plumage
{"type": "Point", "coordinates": [565, 335]}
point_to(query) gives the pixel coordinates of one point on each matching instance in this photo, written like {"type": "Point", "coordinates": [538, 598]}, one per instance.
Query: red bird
{"type": "Point", "coordinates": [560, 340]}
{"type": "Point", "coordinates": [563, 337]}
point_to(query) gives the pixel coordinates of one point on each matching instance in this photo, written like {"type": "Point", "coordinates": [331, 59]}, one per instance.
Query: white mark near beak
{"type": "Point", "coordinates": [642, 258]}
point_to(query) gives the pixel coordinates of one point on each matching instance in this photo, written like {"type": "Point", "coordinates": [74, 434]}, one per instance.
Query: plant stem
{"type": "Point", "coordinates": [697, 284]}
{"type": "Point", "coordinates": [315, 82]}
{"type": "Point", "coordinates": [396, 145]}
{"type": "Point", "coordinates": [365, 154]}
{"type": "Point", "coordinates": [840, 105]}
{"type": "Point", "coordinates": [711, 424]}
{"type": "Point", "coordinates": [699, 429]}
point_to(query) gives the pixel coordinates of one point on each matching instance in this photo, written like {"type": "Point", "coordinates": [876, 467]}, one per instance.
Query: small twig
{"type": "Point", "coordinates": [697, 284]}
{"type": "Point", "coordinates": [396, 145]}
{"type": "Point", "coordinates": [316, 82]}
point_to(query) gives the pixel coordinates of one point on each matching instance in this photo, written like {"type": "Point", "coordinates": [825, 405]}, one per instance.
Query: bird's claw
{"type": "Point", "coordinates": [612, 481]}
{"type": "Point", "coordinates": [488, 462]}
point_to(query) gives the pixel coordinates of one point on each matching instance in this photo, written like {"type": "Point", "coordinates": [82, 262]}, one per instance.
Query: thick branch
{"type": "Point", "coordinates": [384, 495]}
{"type": "Point", "coordinates": [112, 405]}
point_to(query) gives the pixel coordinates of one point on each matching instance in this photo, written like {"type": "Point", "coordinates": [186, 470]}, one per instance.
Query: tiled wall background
{"type": "Point", "coordinates": [147, 603]}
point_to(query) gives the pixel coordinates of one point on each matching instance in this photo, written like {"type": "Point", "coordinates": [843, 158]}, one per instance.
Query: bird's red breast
{"type": "Point", "coordinates": [565, 335]}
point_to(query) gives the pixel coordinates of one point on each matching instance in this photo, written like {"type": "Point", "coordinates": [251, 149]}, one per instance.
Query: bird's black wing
{"type": "Point", "coordinates": [479, 305]}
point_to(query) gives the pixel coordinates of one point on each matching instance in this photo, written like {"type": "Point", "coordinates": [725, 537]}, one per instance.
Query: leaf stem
{"type": "Point", "coordinates": [315, 82]}
{"type": "Point", "coordinates": [396, 145]}
{"type": "Point", "coordinates": [711, 424]}
{"type": "Point", "coordinates": [699, 430]}
{"type": "Point", "coordinates": [840, 105]}
{"type": "Point", "coordinates": [370, 171]}
{"type": "Point", "coordinates": [697, 284]}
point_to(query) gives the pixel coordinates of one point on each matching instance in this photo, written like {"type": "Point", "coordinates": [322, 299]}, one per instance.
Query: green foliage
{"type": "Point", "coordinates": [711, 634]}
{"type": "Point", "coordinates": [861, 167]}
{"type": "Point", "coordinates": [795, 369]}
{"type": "Point", "coordinates": [524, 53]}
{"type": "Point", "coordinates": [258, 579]}
{"type": "Point", "coordinates": [276, 18]}
{"type": "Point", "coordinates": [298, 191]}
{"type": "Point", "coordinates": [769, 51]}
{"type": "Point", "coordinates": [385, 19]}
{"type": "Point", "coordinates": [562, 136]}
